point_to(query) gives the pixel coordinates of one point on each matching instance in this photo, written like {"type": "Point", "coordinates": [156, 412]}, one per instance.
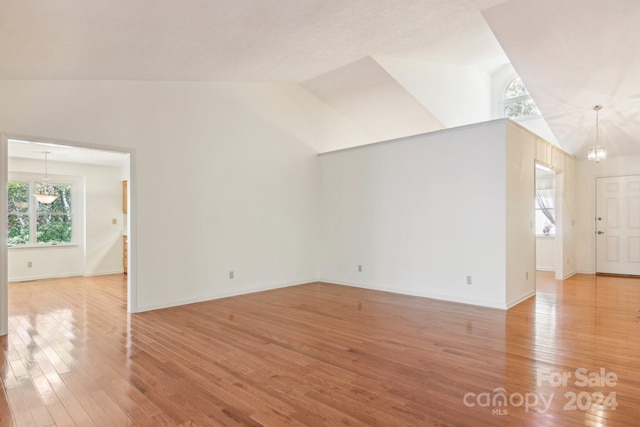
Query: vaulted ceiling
{"type": "Point", "coordinates": [571, 54]}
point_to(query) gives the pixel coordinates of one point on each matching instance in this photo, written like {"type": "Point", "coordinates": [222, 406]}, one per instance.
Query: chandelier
{"type": "Point", "coordinates": [597, 152]}
{"type": "Point", "coordinates": [45, 192]}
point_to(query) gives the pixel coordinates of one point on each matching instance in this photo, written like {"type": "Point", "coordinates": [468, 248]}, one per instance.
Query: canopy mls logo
{"type": "Point", "coordinates": [499, 400]}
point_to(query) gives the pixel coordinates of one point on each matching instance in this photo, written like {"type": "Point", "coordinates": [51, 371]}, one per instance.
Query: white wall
{"type": "Point", "coordinates": [220, 182]}
{"type": "Point", "coordinates": [586, 174]}
{"type": "Point", "coordinates": [545, 253]}
{"type": "Point", "coordinates": [99, 250]}
{"type": "Point", "coordinates": [419, 214]}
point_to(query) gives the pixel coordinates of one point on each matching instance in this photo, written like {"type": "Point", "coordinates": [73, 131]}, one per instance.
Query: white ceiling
{"type": "Point", "coordinates": [230, 40]}
{"type": "Point", "coordinates": [572, 54]}
{"type": "Point", "coordinates": [356, 90]}
{"type": "Point", "coordinates": [65, 153]}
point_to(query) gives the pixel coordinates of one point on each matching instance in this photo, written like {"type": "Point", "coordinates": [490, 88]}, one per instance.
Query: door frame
{"type": "Point", "coordinates": [132, 282]}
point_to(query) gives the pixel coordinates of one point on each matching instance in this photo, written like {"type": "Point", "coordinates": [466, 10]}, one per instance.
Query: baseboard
{"type": "Point", "coordinates": [422, 294]}
{"type": "Point", "coordinates": [521, 299]}
{"type": "Point", "coordinates": [42, 277]}
{"type": "Point", "coordinates": [211, 297]}
{"type": "Point", "coordinates": [59, 276]}
{"type": "Point", "coordinates": [106, 273]}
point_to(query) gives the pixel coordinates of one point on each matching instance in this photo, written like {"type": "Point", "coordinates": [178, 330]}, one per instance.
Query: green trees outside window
{"type": "Point", "coordinates": [517, 101]}
{"type": "Point", "coordinates": [18, 219]}
{"type": "Point", "coordinates": [30, 222]}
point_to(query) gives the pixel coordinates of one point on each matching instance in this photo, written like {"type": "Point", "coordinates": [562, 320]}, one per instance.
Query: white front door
{"type": "Point", "coordinates": [618, 225]}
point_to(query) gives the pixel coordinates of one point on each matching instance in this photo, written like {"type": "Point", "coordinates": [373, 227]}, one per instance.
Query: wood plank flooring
{"type": "Point", "coordinates": [321, 355]}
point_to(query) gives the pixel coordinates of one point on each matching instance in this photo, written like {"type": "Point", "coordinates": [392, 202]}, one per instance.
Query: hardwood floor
{"type": "Point", "coordinates": [321, 355]}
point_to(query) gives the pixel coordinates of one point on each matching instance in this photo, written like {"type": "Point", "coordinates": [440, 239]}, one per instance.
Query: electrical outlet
{"type": "Point", "coordinates": [29, 264]}
{"type": "Point", "coordinates": [527, 275]}
{"type": "Point", "coordinates": [469, 280]}
{"type": "Point", "coordinates": [359, 268]}
{"type": "Point", "coordinates": [231, 275]}
{"type": "Point", "coordinates": [114, 221]}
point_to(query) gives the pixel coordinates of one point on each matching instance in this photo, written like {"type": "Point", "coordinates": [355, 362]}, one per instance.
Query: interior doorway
{"type": "Point", "coordinates": [546, 224]}
{"type": "Point", "coordinates": [618, 225]}
{"type": "Point", "coordinates": [27, 152]}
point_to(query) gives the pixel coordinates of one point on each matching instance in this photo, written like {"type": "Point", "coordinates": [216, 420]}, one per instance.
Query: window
{"type": "Point", "coordinates": [18, 219]}
{"type": "Point", "coordinates": [33, 223]}
{"type": "Point", "coordinates": [545, 205]}
{"type": "Point", "coordinates": [517, 103]}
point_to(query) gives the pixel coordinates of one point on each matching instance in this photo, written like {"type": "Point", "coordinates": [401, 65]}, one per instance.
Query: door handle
{"type": "Point", "coordinates": [600, 232]}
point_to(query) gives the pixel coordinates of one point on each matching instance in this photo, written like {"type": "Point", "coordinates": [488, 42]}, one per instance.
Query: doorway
{"type": "Point", "coordinates": [77, 157]}
{"type": "Point", "coordinates": [545, 218]}
{"type": "Point", "coordinates": [617, 225]}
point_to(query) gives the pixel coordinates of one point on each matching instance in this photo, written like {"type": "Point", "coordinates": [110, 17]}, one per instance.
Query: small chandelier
{"type": "Point", "coordinates": [597, 152]}
{"type": "Point", "coordinates": [45, 193]}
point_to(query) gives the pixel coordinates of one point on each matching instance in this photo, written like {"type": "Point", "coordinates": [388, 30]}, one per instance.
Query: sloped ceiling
{"type": "Point", "coordinates": [572, 55]}
{"type": "Point", "coordinates": [228, 40]}
{"type": "Point", "coordinates": [371, 98]}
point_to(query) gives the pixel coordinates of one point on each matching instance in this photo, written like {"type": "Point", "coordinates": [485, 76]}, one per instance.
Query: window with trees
{"type": "Point", "coordinates": [517, 102]}
{"type": "Point", "coordinates": [33, 223]}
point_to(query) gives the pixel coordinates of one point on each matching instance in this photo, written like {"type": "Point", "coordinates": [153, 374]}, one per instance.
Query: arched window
{"type": "Point", "coordinates": [517, 103]}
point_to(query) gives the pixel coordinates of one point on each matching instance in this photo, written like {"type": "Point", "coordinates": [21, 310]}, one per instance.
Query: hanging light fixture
{"type": "Point", "coordinates": [597, 152]}
{"type": "Point", "coordinates": [45, 192]}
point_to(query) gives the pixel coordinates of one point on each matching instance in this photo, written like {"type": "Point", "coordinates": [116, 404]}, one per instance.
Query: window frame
{"type": "Point", "coordinates": [518, 99]}
{"type": "Point", "coordinates": [76, 208]}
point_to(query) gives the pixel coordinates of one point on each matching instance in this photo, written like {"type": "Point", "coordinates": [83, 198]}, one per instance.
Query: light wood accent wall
{"type": "Point", "coordinates": [125, 245]}
{"type": "Point", "coordinates": [124, 196]}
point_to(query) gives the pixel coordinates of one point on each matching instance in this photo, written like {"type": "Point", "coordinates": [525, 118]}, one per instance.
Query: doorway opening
{"type": "Point", "coordinates": [545, 218]}
{"type": "Point", "coordinates": [85, 237]}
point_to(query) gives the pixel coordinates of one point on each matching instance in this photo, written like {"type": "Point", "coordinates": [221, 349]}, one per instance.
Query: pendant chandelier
{"type": "Point", "coordinates": [597, 152]}
{"type": "Point", "coordinates": [45, 192]}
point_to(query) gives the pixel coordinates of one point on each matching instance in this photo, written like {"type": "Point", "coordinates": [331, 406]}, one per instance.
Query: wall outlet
{"type": "Point", "coordinates": [231, 275]}
{"type": "Point", "coordinates": [29, 264]}
{"type": "Point", "coordinates": [359, 268]}
{"type": "Point", "coordinates": [469, 280]}
{"type": "Point", "coordinates": [527, 275]}
{"type": "Point", "coordinates": [114, 221]}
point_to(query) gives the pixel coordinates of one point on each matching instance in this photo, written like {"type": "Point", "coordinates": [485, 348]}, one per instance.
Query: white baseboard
{"type": "Point", "coordinates": [141, 309]}
{"type": "Point", "coordinates": [520, 299]}
{"type": "Point", "coordinates": [432, 295]}
{"type": "Point", "coordinates": [104, 273]}
{"type": "Point", "coordinates": [42, 277]}
{"type": "Point", "coordinates": [59, 276]}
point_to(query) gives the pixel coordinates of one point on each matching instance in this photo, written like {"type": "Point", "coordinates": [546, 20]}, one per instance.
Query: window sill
{"type": "Point", "coordinates": [44, 246]}
{"type": "Point", "coordinates": [544, 236]}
